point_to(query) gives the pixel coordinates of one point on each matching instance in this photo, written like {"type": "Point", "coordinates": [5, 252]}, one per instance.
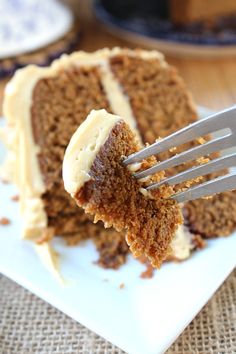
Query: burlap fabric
{"type": "Point", "coordinates": [29, 325]}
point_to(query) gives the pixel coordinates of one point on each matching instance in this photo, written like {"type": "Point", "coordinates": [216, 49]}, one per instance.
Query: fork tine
{"type": "Point", "coordinates": [215, 186]}
{"type": "Point", "coordinates": [189, 133]}
{"type": "Point", "coordinates": [202, 150]}
{"type": "Point", "coordinates": [210, 167]}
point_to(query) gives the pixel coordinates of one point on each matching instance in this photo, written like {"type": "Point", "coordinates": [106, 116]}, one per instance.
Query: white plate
{"type": "Point", "coordinates": [28, 25]}
{"type": "Point", "coordinates": [143, 318]}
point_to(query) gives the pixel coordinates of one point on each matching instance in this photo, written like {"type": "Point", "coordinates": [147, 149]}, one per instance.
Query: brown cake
{"type": "Point", "coordinates": [45, 106]}
{"type": "Point", "coordinates": [96, 178]}
{"type": "Point", "coordinates": [190, 11]}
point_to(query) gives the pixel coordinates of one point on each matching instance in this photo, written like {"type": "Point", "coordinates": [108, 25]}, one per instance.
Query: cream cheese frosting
{"type": "Point", "coordinates": [118, 100]}
{"type": "Point", "coordinates": [84, 146]}
{"type": "Point", "coordinates": [23, 151]}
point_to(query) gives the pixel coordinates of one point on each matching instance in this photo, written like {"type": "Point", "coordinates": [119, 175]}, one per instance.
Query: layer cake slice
{"type": "Point", "coordinates": [45, 106]}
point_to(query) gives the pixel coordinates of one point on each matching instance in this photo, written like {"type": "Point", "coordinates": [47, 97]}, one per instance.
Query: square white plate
{"type": "Point", "coordinates": [144, 317]}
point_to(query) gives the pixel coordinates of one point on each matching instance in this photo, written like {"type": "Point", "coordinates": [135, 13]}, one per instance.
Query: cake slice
{"type": "Point", "coordinates": [96, 178]}
{"type": "Point", "coordinates": [191, 11]}
{"type": "Point", "coordinates": [45, 106]}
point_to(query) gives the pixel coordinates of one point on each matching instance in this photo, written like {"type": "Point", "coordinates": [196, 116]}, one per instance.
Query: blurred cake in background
{"type": "Point", "coordinates": [192, 11]}
{"type": "Point", "coordinates": [193, 27]}
{"type": "Point", "coordinates": [179, 11]}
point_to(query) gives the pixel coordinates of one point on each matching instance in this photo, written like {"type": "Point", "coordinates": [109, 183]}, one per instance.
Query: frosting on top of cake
{"type": "Point", "coordinates": [84, 146]}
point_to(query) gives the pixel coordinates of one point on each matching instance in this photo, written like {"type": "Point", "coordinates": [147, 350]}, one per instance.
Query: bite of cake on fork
{"type": "Point", "coordinates": [108, 174]}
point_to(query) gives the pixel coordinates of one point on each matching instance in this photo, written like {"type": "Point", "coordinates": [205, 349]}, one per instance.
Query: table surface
{"type": "Point", "coordinates": [212, 83]}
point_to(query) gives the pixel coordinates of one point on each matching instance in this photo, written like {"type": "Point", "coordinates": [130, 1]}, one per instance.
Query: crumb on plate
{"type": "Point", "coordinates": [15, 198]}
{"type": "Point", "coordinates": [4, 221]}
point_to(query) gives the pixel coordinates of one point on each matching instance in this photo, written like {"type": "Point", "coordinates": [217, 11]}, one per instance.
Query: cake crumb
{"type": "Point", "coordinates": [202, 160]}
{"type": "Point", "coordinates": [144, 192]}
{"type": "Point", "coordinates": [4, 221]}
{"type": "Point", "coordinates": [144, 179]}
{"type": "Point", "coordinates": [201, 140]}
{"type": "Point", "coordinates": [207, 197]}
{"type": "Point", "coordinates": [134, 167]}
{"type": "Point", "coordinates": [4, 181]}
{"type": "Point", "coordinates": [122, 285]}
{"type": "Point", "coordinates": [199, 242]}
{"type": "Point", "coordinates": [15, 198]}
{"type": "Point", "coordinates": [148, 273]}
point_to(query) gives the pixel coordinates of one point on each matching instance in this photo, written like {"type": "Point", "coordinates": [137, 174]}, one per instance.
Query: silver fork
{"type": "Point", "coordinates": [224, 120]}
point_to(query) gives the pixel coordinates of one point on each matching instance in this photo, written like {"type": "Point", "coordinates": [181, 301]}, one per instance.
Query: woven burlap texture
{"type": "Point", "coordinates": [28, 326]}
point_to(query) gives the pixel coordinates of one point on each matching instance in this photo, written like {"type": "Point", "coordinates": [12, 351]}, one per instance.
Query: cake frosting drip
{"type": "Point", "coordinates": [51, 259]}
{"type": "Point", "coordinates": [22, 162]}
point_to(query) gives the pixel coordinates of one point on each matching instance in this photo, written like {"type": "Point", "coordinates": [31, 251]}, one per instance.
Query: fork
{"type": "Point", "coordinates": [224, 120]}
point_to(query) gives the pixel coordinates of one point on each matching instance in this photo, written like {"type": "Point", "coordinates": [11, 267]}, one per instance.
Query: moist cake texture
{"type": "Point", "coordinates": [96, 178]}
{"type": "Point", "coordinates": [45, 106]}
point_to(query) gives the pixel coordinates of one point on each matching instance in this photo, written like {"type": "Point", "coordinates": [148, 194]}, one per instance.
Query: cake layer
{"type": "Point", "coordinates": [105, 188]}
{"type": "Point", "coordinates": [158, 97]}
